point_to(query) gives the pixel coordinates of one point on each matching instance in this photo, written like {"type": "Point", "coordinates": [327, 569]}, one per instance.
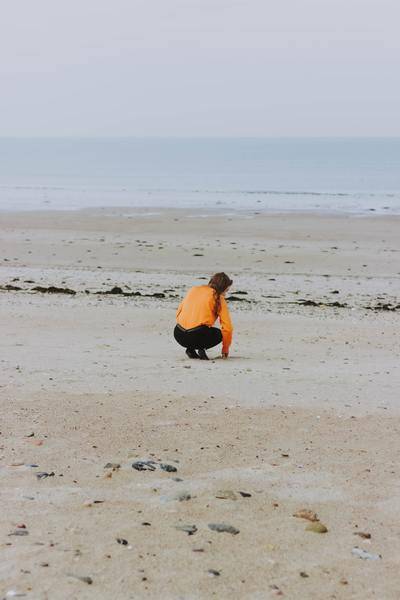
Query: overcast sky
{"type": "Point", "coordinates": [200, 67]}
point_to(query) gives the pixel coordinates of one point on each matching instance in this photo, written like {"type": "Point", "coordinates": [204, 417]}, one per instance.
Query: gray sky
{"type": "Point", "coordinates": [200, 67]}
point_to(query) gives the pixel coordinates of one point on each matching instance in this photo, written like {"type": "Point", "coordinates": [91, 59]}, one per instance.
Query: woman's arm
{"type": "Point", "coordinates": [226, 326]}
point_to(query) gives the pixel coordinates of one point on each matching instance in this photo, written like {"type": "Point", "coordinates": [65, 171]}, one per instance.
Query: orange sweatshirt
{"type": "Point", "coordinates": [198, 308]}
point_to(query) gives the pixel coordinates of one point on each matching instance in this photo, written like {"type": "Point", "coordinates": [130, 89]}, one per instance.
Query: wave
{"type": "Point", "coordinates": [259, 192]}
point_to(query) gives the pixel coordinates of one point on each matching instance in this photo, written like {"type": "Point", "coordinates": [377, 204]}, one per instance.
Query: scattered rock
{"type": "Point", "coordinates": [226, 495]}
{"type": "Point", "coordinates": [144, 465]}
{"type": "Point", "coordinates": [44, 474]}
{"type": "Point", "coordinates": [362, 534]}
{"type": "Point", "coordinates": [122, 541]}
{"type": "Point", "coordinates": [83, 578]}
{"type": "Point", "coordinates": [189, 529]}
{"type": "Point", "coordinates": [213, 573]}
{"type": "Point", "coordinates": [19, 533]}
{"type": "Point", "coordinates": [168, 468]}
{"type": "Point", "coordinates": [223, 528]}
{"type": "Point", "coordinates": [245, 494]}
{"type": "Point", "coordinates": [304, 513]}
{"type": "Point", "coordinates": [90, 503]}
{"type": "Point", "coordinates": [110, 465]}
{"type": "Point", "coordinates": [304, 574]}
{"type": "Point", "coordinates": [363, 554]}
{"type": "Point", "coordinates": [276, 590]}
{"type": "Point", "coordinates": [182, 496]}
{"type": "Point", "coordinates": [317, 527]}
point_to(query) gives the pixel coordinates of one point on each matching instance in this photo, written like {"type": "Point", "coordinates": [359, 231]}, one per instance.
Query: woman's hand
{"type": "Point", "coordinates": [225, 354]}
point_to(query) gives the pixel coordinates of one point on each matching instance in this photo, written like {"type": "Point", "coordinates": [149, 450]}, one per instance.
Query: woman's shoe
{"type": "Point", "coordinates": [191, 353]}
{"type": "Point", "coordinates": [202, 354]}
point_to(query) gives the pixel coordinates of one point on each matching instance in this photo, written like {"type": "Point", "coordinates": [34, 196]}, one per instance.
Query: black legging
{"type": "Point", "coordinates": [198, 337]}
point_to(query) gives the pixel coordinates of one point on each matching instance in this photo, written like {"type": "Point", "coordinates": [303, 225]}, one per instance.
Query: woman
{"type": "Point", "coordinates": [197, 314]}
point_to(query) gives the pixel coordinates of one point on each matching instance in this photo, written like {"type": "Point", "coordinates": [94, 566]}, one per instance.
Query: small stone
{"type": "Point", "coordinates": [360, 553]}
{"type": "Point", "coordinates": [122, 541]}
{"type": "Point", "coordinates": [19, 532]}
{"type": "Point", "coordinates": [110, 465]}
{"type": "Point", "coordinates": [83, 578]}
{"type": "Point", "coordinates": [245, 494]}
{"type": "Point", "coordinates": [317, 527]}
{"type": "Point", "coordinates": [44, 475]}
{"type": "Point", "coordinates": [168, 468]}
{"type": "Point", "coordinates": [362, 534]}
{"type": "Point", "coordinates": [226, 495]}
{"type": "Point", "coordinates": [276, 590]}
{"type": "Point", "coordinates": [144, 465]}
{"type": "Point", "coordinates": [189, 529]}
{"type": "Point", "coordinates": [213, 573]}
{"type": "Point", "coordinates": [223, 528]}
{"type": "Point", "coordinates": [304, 513]}
{"type": "Point", "coordinates": [304, 574]}
{"type": "Point", "coordinates": [182, 496]}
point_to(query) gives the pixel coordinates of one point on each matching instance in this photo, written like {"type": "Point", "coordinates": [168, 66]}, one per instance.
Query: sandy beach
{"type": "Point", "coordinates": [304, 415]}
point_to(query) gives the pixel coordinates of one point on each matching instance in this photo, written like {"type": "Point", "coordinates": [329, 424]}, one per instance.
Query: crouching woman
{"type": "Point", "coordinates": [196, 315]}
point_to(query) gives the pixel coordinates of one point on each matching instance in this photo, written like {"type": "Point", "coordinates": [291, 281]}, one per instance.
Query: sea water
{"type": "Point", "coordinates": [352, 175]}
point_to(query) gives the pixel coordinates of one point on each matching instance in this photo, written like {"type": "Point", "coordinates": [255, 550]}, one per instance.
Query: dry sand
{"type": "Point", "coordinates": [303, 415]}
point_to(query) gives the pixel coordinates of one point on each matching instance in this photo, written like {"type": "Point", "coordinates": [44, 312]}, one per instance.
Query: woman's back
{"type": "Point", "coordinates": [197, 308]}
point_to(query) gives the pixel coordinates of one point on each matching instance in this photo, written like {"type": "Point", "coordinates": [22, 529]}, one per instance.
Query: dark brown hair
{"type": "Point", "coordinates": [219, 282]}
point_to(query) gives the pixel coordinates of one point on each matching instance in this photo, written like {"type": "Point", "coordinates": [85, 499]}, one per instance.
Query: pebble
{"type": "Point", "coordinates": [364, 554]}
{"type": "Point", "coordinates": [122, 541]}
{"type": "Point", "coordinates": [317, 527]}
{"type": "Point", "coordinates": [44, 474]}
{"type": "Point", "coordinates": [213, 573]}
{"type": "Point", "coordinates": [304, 513]}
{"type": "Point", "coordinates": [110, 465]}
{"type": "Point", "coordinates": [226, 495]}
{"type": "Point", "coordinates": [362, 534]}
{"type": "Point", "coordinates": [245, 494]}
{"type": "Point", "coordinates": [144, 465]}
{"type": "Point", "coordinates": [168, 468]}
{"type": "Point", "coordinates": [223, 528]}
{"type": "Point", "coordinates": [83, 578]}
{"type": "Point", "coordinates": [19, 532]}
{"type": "Point", "coordinates": [189, 529]}
{"type": "Point", "coordinates": [182, 496]}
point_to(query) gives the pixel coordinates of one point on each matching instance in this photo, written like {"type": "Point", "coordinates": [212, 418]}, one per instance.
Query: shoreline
{"type": "Point", "coordinates": [212, 210]}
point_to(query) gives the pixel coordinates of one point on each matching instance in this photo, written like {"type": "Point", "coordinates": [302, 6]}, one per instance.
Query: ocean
{"type": "Point", "coordinates": [233, 174]}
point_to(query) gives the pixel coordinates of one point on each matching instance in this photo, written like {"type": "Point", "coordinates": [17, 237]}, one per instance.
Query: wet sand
{"type": "Point", "coordinates": [303, 415]}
